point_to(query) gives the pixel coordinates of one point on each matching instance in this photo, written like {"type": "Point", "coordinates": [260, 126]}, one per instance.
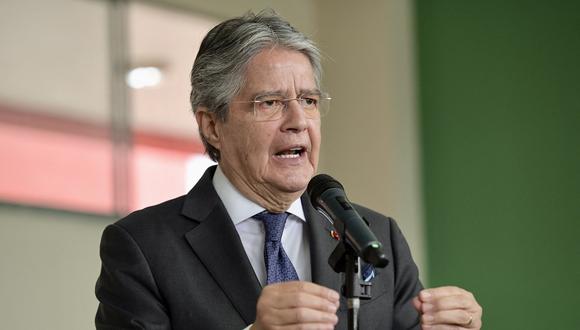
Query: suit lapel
{"type": "Point", "coordinates": [321, 246]}
{"type": "Point", "coordinates": [216, 243]}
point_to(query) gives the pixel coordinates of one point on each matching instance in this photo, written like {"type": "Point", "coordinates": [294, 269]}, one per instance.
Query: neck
{"type": "Point", "coordinates": [263, 194]}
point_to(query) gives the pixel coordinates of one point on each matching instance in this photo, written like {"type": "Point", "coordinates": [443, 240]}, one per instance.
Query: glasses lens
{"type": "Point", "coordinates": [324, 104]}
{"type": "Point", "coordinates": [268, 108]}
{"type": "Point", "coordinates": [272, 107]}
{"type": "Point", "coordinates": [316, 105]}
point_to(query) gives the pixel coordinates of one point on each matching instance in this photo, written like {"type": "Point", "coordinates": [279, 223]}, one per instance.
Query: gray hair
{"type": "Point", "coordinates": [219, 68]}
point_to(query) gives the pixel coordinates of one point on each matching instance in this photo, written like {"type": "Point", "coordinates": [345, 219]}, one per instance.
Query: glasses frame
{"type": "Point", "coordinates": [322, 97]}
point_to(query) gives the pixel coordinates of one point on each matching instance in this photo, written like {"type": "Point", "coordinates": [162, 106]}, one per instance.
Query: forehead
{"type": "Point", "coordinates": [278, 70]}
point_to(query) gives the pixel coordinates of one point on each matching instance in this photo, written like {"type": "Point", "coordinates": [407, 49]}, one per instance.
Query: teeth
{"type": "Point", "coordinates": [290, 153]}
{"type": "Point", "coordinates": [288, 156]}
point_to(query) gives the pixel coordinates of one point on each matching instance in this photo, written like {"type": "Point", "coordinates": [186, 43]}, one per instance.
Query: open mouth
{"type": "Point", "coordinates": [294, 152]}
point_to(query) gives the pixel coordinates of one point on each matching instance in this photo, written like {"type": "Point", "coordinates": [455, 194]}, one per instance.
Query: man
{"type": "Point", "coordinates": [211, 259]}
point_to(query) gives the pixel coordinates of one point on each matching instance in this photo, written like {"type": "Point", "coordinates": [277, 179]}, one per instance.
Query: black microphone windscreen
{"type": "Point", "coordinates": [320, 184]}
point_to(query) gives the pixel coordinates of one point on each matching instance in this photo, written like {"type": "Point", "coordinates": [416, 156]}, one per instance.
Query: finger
{"type": "Point", "coordinates": [295, 316]}
{"type": "Point", "coordinates": [435, 293]}
{"type": "Point", "coordinates": [309, 326]}
{"type": "Point", "coordinates": [280, 311]}
{"type": "Point", "coordinates": [307, 287]}
{"type": "Point", "coordinates": [273, 318]}
{"type": "Point", "coordinates": [286, 300]}
{"type": "Point", "coordinates": [449, 303]}
{"type": "Point", "coordinates": [302, 305]}
{"type": "Point", "coordinates": [449, 317]}
{"type": "Point", "coordinates": [442, 327]}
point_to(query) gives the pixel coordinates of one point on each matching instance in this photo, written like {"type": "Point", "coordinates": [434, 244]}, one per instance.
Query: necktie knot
{"type": "Point", "coordinates": [273, 224]}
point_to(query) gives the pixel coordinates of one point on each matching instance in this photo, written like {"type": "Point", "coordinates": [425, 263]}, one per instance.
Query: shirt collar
{"type": "Point", "coordinates": [241, 208]}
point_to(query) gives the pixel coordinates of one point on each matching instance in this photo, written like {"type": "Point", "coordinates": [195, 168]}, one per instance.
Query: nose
{"type": "Point", "coordinates": [294, 117]}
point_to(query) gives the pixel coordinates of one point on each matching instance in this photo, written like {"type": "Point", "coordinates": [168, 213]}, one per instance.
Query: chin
{"type": "Point", "coordinates": [294, 183]}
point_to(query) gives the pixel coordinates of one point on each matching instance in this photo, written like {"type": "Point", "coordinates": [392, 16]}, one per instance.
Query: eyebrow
{"type": "Point", "coordinates": [315, 91]}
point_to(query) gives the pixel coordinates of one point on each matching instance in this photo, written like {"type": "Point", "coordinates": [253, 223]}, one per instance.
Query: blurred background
{"type": "Point", "coordinates": [459, 118]}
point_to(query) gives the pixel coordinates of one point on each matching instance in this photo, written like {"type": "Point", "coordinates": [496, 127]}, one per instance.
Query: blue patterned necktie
{"type": "Point", "coordinates": [278, 265]}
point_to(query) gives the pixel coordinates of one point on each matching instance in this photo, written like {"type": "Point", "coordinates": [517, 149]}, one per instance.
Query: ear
{"type": "Point", "coordinates": [208, 126]}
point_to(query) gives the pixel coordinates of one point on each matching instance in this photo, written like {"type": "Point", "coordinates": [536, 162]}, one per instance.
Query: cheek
{"type": "Point", "coordinates": [256, 143]}
{"type": "Point", "coordinates": [315, 136]}
{"type": "Point", "coordinates": [236, 144]}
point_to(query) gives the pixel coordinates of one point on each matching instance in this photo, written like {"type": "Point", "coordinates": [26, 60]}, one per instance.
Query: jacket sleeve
{"type": "Point", "coordinates": [407, 284]}
{"type": "Point", "coordinates": [126, 289]}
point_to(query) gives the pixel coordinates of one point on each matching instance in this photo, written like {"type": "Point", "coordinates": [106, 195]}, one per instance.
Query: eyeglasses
{"type": "Point", "coordinates": [272, 107]}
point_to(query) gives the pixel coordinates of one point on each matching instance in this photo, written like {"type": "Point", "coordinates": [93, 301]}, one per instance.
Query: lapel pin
{"type": "Point", "coordinates": [334, 234]}
{"type": "Point", "coordinates": [368, 272]}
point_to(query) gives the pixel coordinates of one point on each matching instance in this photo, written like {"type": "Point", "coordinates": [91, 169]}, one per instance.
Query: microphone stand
{"type": "Point", "coordinates": [345, 260]}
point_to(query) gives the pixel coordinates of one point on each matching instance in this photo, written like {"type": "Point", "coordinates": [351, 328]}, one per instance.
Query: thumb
{"type": "Point", "coordinates": [417, 303]}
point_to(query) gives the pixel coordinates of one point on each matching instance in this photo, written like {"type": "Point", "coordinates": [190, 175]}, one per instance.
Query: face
{"type": "Point", "coordinates": [271, 159]}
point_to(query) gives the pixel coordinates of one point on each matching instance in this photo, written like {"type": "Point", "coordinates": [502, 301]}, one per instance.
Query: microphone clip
{"type": "Point", "coordinates": [343, 261]}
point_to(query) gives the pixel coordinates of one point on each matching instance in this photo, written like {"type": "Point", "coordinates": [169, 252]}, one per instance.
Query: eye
{"type": "Point", "coordinates": [309, 102]}
{"type": "Point", "coordinates": [270, 104]}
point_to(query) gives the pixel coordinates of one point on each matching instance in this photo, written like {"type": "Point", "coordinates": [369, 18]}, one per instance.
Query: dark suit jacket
{"type": "Point", "coordinates": [181, 265]}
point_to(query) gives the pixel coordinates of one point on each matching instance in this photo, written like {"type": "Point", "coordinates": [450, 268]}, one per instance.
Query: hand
{"type": "Point", "coordinates": [296, 305]}
{"type": "Point", "coordinates": [448, 307]}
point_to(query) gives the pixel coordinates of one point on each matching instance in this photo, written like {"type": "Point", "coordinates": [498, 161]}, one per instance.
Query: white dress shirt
{"type": "Point", "coordinates": [251, 231]}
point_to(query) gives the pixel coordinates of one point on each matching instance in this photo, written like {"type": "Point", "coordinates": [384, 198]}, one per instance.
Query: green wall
{"type": "Point", "coordinates": [500, 123]}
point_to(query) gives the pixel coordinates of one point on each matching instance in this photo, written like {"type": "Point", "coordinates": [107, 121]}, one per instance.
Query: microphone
{"type": "Point", "coordinates": [328, 197]}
